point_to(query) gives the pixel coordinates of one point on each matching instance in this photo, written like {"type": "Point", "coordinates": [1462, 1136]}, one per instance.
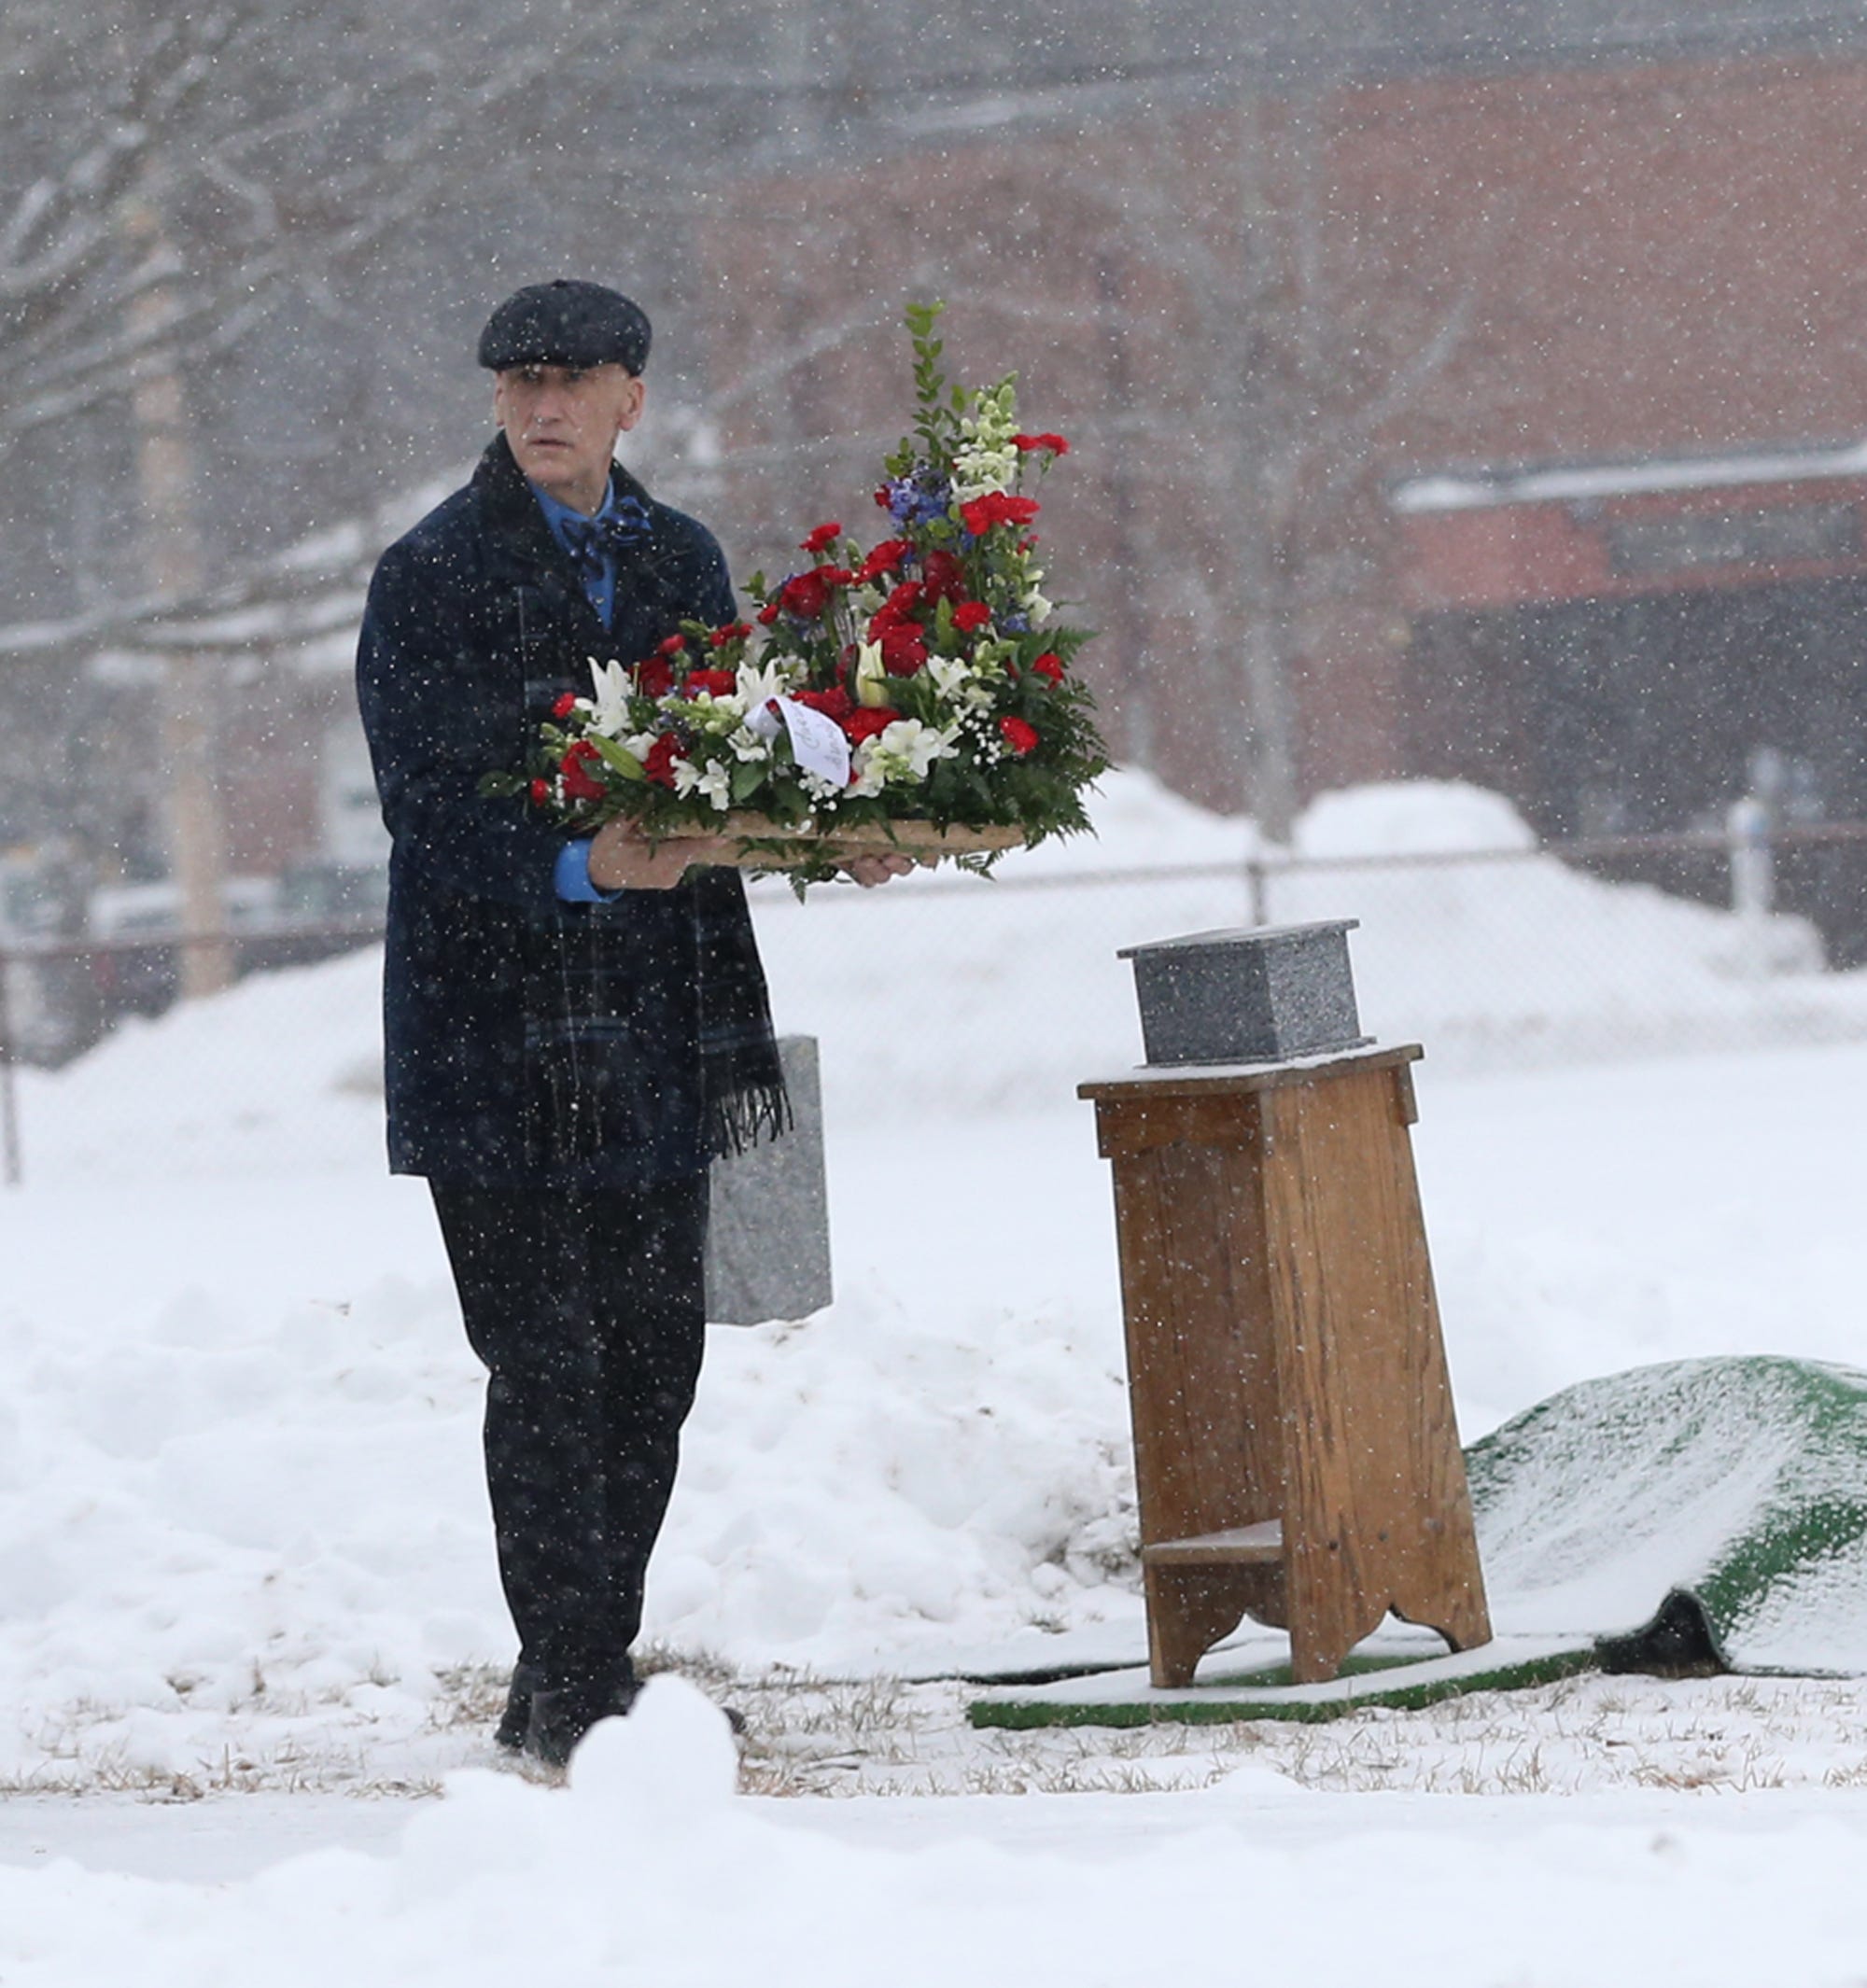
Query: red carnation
{"type": "Point", "coordinates": [944, 577]}
{"type": "Point", "coordinates": [822, 538]}
{"type": "Point", "coordinates": [902, 605]}
{"type": "Point", "coordinates": [995, 507]}
{"type": "Point", "coordinates": [716, 682]}
{"type": "Point", "coordinates": [565, 704]}
{"type": "Point", "coordinates": [902, 651]}
{"type": "Point", "coordinates": [654, 678]}
{"type": "Point", "coordinates": [541, 794]}
{"type": "Point", "coordinates": [970, 616]}
{"type": "Point", "coordinates": [732, 632]}
{"type": "Point", "coordinates": [1055, 443]}
{"type": "Point", "coordinates": [1049, 664]}
{"type": "Point", "coordinates": [1019, 735]}
{"type": "Point", "coordinates": [659, 764]}
{"type": "Point", "coordinates": [671, 645]}
{"type": "Point", "coordinates": [834, 703]}
{"type": "Point", "coordinates": [806, 594]}
{"type": "Point", "coordinates": [885, 558]}
{"type": "Point", "coordinates": [578, 785]}
{"type": "Point", "coordinates": [867, 722]}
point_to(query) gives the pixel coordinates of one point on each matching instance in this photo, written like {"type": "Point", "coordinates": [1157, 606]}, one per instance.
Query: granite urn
{"type": "Point", "coordinates": [1263, 995]}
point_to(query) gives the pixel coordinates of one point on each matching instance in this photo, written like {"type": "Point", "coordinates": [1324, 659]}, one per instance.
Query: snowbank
{"type": "Point", "coordinates": [238, 1445]}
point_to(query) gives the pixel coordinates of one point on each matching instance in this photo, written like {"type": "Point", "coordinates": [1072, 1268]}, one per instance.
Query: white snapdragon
{"type": "Point", "coordinates": [985, 459]}
{"type": "Point", "coordinates": [717, 717]}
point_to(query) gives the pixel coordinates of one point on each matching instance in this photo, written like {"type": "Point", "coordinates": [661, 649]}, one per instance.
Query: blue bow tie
{"type": "Point", "coordinates": [594, 543]}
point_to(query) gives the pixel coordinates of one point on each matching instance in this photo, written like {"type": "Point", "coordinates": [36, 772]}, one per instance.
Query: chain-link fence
{"type": "Point", "coordinates": [946, 994]}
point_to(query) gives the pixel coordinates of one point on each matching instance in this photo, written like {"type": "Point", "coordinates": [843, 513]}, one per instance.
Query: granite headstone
{"type": "Point", "coordinates": [768, 1245]}
{"type": "Point", "coordinates": [1260, 995]}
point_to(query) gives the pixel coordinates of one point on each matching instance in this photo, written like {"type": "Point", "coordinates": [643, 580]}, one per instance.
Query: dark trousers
{"type": "Point", "coordinates": [589, 1311]}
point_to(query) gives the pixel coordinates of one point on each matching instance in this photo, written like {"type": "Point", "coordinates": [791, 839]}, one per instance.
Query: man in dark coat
{"type": "Point", "coordinates": [573, 1029]}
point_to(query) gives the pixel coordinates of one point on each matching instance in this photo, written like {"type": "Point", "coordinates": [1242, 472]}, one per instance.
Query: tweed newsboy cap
{"type": "Point", "coordinates": [566, 323]}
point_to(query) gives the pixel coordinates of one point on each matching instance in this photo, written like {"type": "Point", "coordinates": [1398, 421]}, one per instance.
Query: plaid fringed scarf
{"type": "Point", "coordinates": [741, 1080]}
{"type": "Point", "coordinates": [603, 1023]}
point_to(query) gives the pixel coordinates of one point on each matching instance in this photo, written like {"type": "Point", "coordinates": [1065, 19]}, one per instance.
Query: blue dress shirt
{"type": "Point", "coordinates": [601, 590]}
{"type": "Point", "coordinates": [572, 875]}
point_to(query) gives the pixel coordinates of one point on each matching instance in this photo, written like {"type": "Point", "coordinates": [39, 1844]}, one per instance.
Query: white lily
{"type": "Point", "coordinates": [951, 674]}
{"type": "Point", "coordinates": [612, 709]}
{"type": "Point", "coordinates": [716, 783]}
{"type": "Point", "coordinates": [906, 750]}
{"type": "Point", "coordinates": [759, 683]}
{"type": "Point", "coordinates": [869, 772]}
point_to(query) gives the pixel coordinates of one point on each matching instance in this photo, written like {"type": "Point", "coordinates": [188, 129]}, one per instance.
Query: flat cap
{"type": "Point", "coordinates": [566, 323]}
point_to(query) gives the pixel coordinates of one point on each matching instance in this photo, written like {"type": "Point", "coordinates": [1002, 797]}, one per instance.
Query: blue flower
{"type": "Point", "coordinates": [918, 498]}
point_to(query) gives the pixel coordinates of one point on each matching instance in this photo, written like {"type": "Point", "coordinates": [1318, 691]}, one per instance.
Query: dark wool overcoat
{"type": "Point", "coordinates": [476, 624]}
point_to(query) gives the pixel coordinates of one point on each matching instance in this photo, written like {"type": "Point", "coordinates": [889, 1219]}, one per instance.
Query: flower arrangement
{"type": "Point", "coordinates": [916, 696]}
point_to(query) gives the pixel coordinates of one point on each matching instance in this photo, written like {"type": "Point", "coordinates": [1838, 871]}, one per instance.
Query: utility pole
{"type": "Point", "coordinates": [1262, 443]}
{"type": "Point", "coordinates": [197, 835]}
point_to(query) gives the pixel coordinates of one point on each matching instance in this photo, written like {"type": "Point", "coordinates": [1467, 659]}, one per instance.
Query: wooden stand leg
{"type": "Point", "coordinates": [1190, 1609]}
{"type": "Point", "coordinates": [1322, 1637]}
{"type": "Point", "coordinates": [1455, 1609]}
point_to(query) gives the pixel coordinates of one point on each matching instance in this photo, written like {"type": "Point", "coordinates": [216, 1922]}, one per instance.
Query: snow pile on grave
{"type": "Point", "coordinates": [262, 1502]}
{"type": "Point", "coordinates": [1706, 1508]}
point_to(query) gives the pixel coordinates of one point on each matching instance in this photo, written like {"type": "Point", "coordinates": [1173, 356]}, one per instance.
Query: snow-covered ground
{"type": "Point", "coordinates": [243, 1554]}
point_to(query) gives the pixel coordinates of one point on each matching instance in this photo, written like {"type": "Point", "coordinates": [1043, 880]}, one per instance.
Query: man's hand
{"type": "Point", "coordinates": [622, 859]}
{"type": "Point", "coordinates": [870, 870]}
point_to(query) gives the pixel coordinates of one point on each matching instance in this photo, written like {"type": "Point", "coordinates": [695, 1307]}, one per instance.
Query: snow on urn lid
{"type": "Point", "coordinates": [1262, 995]}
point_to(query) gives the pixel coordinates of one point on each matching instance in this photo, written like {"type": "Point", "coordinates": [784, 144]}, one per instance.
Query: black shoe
{"type": "Point", "coordinates": [560, 1716]}
{"type": "Point", "coordinates": [509, 1736]}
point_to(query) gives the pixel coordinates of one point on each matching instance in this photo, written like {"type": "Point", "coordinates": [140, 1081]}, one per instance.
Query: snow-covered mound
{"type": "Point", "coordinates": [1735, 1487]}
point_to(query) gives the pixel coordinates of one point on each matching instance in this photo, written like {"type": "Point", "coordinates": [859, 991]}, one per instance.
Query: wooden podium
{"type": "Point", "coordinates": [1294, 1442]}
